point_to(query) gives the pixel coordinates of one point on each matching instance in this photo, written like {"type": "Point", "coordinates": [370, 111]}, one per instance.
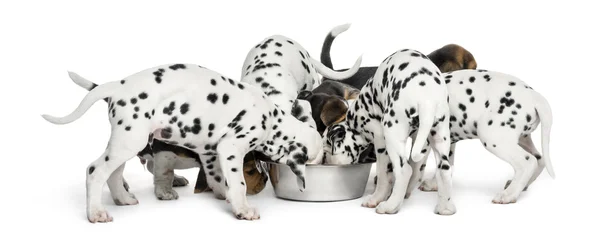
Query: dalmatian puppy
{"type": "Point", "coordinates": [501, 111]}
{"type": "Point", "coordinates": [405, 97]}
{"type": "Point", "coordinates": [217, 117]}
{"type": "Point", "coordinates": [169, 157]}
{"type": "Point", "coordinates": [282, 68]}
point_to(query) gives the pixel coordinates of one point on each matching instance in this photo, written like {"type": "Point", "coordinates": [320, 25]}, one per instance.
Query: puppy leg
{"type": "Point", "coordinates": [430, 185]}
{"type": "Point", "coordinates": [395, 143]}
{"type": "Point", "coordinates": [441, 143]}
{"type": "Point", "coordinates": [123, 145]}
{"type": "Point", "coordinates": [214, 177]}
{"type": "Point", "coordinates": [523, 163]}
{"type": "Point", "coordinates": [120, 195]}
{"type": "Point", "coordinates": [383, 186]}
{"type": "Point", "coordinates": [527, 144]}
{"type": "Point", "coordinates": [231, 157]}
{"type": "Point", "coordinates": [180, 181]}
{"type": "Point", "coordinates": [164, 175]}
{"type": "Point", "coordinates": [418, 169]}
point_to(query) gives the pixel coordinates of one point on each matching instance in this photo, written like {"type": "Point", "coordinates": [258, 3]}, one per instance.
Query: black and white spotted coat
{"type": "Point", "coordinates": [191, 106]}
{"type": "Point", "coordinates": [281, 68]}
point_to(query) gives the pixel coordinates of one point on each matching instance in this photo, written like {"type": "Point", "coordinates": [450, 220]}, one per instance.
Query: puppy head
{"type": "Point", "coordinates": [327, 109]}
{"type": "Point", "coordinates": [255, 177]}
{"type": "Point", "coordinates": [452, 57]}
{"type": "Point", "coordinates": [342, 145]}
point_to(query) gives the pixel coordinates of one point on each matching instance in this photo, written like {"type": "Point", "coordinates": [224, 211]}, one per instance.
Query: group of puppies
{"type": "Point", "coordinates": [292, 109]}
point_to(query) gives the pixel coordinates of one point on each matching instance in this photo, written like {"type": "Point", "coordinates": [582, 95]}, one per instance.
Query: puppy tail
{"type": "Point", "coordinates": [325, 56]}
{"type": "Point", "coordinates": [426, 118]}
{"type": "Point", "coordinates": [94, 95]}
{"type": "Point", "coordinates": [336, 75]}
{"type": "Point", "coordinates": [544, 112]}
{"type": "Point", "coordinates": [82, 82]}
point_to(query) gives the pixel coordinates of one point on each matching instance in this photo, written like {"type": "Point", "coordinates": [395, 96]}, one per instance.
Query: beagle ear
{"type": "Point", "coordinates": [350, 93]}
{"type": "Point", "coordinates": [304, 94]}
{"type": "Point", "coordinates": [333, 112]}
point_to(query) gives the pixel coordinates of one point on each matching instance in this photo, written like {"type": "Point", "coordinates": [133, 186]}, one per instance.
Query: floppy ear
{"type": "Point", "coordinates": [335, 134]}
{"type": "Point", "coordinates": [304, 94]}
{"type": "Point", "coordinates": [333, 112]}
{"type": "Point", "coordinates": [351, 93]}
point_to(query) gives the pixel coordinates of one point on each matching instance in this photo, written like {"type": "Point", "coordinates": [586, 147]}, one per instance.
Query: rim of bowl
{"type": "Point", "coordinates": [324, 165]}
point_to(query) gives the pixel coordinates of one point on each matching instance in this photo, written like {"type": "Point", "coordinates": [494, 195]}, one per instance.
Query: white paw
{"type": "Point", "coordinates": [371, 201]}
{"type": "Point", "coordinates": [166, 193]}
{"type": "Point", "coordinates": [387, 207]}
{"type": "Point", "coordinates": [446, 209]}
{"type": "Point", "coordinates": [247, 213]}
{"type": "Point", "coordinates": [125, 199]}
{"type": "Point", "coordinates": [100, 216]}
{"type": "Point", "coordinates": [428, 185]}
{"type": "Point", "coordinates": [504, 198]}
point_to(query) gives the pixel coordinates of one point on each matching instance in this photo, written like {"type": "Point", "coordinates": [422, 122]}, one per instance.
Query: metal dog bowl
{"type": "Point", "coordinates": [324, 183]}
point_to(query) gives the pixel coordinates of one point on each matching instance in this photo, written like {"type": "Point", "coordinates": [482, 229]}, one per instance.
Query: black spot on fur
{"type": "Point", "coordinates": [225, 98]}
{"type": "Point", "coordinates": [121, 102]}
{"type": "Point", "coordinates": [212, 98]}
{"type": "Point", "coordinates": [184, 108]}
{"type": "Point", "coordinates": [91, 170]}
{"type": "Point", "coordinates": [128, 128]}
{"type": "Point", "coordinates": [143, 95]}
{"type": "Point", "coordinates": [177, 66]}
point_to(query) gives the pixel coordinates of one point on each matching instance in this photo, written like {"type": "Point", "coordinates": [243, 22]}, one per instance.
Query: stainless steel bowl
{"type": "Point", "coordinates": [324, 183]}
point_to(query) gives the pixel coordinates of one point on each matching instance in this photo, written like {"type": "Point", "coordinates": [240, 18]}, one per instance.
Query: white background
{"type": "Point", "coordinates": [550, 45]}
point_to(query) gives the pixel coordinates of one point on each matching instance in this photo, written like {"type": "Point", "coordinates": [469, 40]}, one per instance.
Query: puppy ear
{"type": "Point", "coordinates": [333, 112]}
{"type": "Point", "coordinates": [304, 94]}
{"type": "Point", "coordinates": [335, 133]}
{"type": "Point", "coordinates": [351, 93]}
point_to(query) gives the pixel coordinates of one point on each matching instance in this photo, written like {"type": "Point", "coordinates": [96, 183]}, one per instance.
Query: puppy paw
{"type": "Point", "coordinates": [180, 181]}
{"type": "Point", "coordinates": [446, 209]}
{"type": "Point", "coordinates": [166, 193]}
{"type": "Point", "coordinates": [387, 207]}
{"type": "Point", "coordinates": [428, 185]}
{"type": "Point", "coordinates": [371, 201]}
{"type": "Point", "coordinates": [125, 199]}
{"type": "Point", "coordinates": [504, 198]}
{"type": "Point", "coordinates": [247, 213]}
{"type": "Point", "coordinates": [99, 216]}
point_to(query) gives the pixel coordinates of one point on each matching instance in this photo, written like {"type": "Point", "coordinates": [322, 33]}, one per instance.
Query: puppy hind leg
{"type": "Point", "coordinates": [527, 144]}
{"type": "Point", "coordinates": [383, 186]}
{"type": "Point", "coordinates": [231, 158]}
{"type": "Point", "coordinates": [395, 143]}
{"type": "Point", "coordinates": [120, 194]}
{"type": "Point", "coordinates": [123, 145]}
{"type": "Point", "coordinates": [441, 144]}
{"type": "Point", "coordinates": [523, 163]}
{"type": "Point", "coordinates": [418, 169]}
{"type": "Point", "coordinates": [430, 184]}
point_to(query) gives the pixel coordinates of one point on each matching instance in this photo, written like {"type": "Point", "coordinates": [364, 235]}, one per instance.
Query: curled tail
{"type": "Point", "coordinates": [325, 56]}
{"type": "Point", "coordinates": [336, 75]}
{"type": "Point", "coordinates": [426, 118]}
{"type": "Point", "coordinates": [100, 92]}
{"type": "Point", "coordinates": [545, 114]}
